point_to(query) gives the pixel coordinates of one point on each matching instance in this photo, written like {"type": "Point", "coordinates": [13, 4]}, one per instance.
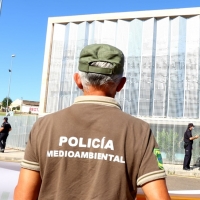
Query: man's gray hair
{"type": "Point", "coordinates": [99, 80]}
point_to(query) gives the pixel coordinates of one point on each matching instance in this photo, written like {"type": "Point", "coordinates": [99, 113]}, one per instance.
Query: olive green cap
{"type": "Point", "coordinates": [102, 53]}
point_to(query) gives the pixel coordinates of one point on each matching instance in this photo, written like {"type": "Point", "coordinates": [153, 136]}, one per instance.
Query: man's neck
{"type": "Point", "coordinates": [93, 91]}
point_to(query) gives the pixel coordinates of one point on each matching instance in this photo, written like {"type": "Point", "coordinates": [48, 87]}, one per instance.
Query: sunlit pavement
{"type": "Point", "coordinates": [178, 170]}
{"type": "Point", "coordinates": [12, 155]}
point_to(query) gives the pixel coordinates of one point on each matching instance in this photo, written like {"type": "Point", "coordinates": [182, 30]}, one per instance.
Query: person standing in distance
{"type": "Point", "coordinates": [4, 131]}
{"type": "Point", "coordinates": [188, 141]}
{"type": "Point", "coordinates": [92, 150]}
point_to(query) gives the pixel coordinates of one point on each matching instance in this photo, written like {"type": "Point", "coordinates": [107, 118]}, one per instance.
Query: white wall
{"type": "Point", "coordinates": [27, 108]}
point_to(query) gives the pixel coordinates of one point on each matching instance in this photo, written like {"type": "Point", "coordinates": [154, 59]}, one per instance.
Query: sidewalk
{"type": "Point", "coordinates": [12, 155]}
{"type": "Point", "coordinates": [177, 170]}
{"type": "Point", "coordinates": [15, 155]}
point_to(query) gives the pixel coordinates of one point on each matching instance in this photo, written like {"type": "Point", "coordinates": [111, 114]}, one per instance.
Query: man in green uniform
{"type": "Point", "coordinates": [92, 150]}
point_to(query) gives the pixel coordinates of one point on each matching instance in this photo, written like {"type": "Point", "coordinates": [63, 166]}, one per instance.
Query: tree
{"type": "Point", "coordinates": [4, 102]}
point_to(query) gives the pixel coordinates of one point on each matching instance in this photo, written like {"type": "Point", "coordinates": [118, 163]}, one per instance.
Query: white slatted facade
{"type": "Point", "coordinates": [162, 61]}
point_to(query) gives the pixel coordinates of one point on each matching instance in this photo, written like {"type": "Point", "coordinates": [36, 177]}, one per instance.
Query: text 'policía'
{"type": "Point", "coordinates": [95, 143]}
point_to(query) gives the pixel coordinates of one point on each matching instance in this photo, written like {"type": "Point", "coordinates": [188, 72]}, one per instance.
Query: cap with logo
{"type": "Point", "coordinates": [103, 53]}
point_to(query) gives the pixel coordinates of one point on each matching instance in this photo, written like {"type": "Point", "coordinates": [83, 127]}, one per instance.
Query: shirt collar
{"type": "Point", "coordinates": [101, 100]}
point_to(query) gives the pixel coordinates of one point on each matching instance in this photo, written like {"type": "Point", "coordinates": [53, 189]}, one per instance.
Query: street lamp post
{"type": "Point", "coordinates": [10, 70]}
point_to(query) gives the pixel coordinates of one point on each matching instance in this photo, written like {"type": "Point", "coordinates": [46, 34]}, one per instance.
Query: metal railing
{"type": "Point", "coordinates": [168, 133]}
{"type": "Point", "coordinates": [21, 126]}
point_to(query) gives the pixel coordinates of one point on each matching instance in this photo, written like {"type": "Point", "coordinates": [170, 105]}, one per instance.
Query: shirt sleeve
{"type": "Point", "coordinates": [31, 160]}
{"type": "Point", "coordinates": [151, 167]}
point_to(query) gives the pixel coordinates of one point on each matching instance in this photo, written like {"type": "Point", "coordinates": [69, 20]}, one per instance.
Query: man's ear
{"type": "Point", "coordinates": [77, 80]}
{"type": "Point", "coordinates": [121, 84]}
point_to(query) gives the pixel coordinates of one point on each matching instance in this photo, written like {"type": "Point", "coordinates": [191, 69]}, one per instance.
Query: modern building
{"type": "Point", "coordinates": [162, 66]}
{"type": "Point", "coordinates": [162, 50]}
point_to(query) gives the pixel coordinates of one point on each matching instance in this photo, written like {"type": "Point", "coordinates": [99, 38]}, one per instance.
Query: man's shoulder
{"type": "Point", "coordinates": [133, 118]}
{"type": "Point", "coordinates": [53, 116]}
{"type": "Point", "coordinates": [117, 113]}
{"type": "Point", "coordinates": [188, 132]}
{"type": "Point", "coordinates": [6, 124]}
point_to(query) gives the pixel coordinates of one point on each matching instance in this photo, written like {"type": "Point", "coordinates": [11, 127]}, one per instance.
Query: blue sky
{"type": "Point", "coordinates": [23, 26]}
